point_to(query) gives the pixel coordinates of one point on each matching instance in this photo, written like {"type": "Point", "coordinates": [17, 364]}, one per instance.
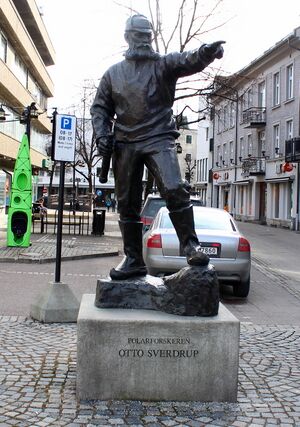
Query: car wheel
{"type": "Point", "coordinates": [242, 289]}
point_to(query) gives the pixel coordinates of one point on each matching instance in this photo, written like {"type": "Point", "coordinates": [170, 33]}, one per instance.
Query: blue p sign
{"type": "Point", "coordinates": [66, 123]}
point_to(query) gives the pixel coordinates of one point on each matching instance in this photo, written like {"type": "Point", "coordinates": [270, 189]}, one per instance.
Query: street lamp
{"type": "Point", "coordinates": [30, 112]}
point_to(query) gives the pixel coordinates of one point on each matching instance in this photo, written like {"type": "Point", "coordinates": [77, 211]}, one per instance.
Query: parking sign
{"type": "Point", "coordinates": [65, 138]}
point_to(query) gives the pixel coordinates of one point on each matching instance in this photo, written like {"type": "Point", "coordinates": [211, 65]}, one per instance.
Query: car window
{"type": "Point", "coordinates": [205, 220]}
{"type": "Point", "coordinates": [153, 207]}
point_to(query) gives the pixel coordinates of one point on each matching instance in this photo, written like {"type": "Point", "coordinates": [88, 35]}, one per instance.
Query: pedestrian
{"type": "Point", "coordinates": [108, 204]}
{"type": "Point", "coordinates": [113, 205]}
{"type": "Point", "coordinates": [133, 119]}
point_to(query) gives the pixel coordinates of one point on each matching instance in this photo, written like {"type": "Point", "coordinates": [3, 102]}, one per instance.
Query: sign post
{"type": "Point", "coordinates": [58, 303]}
{"type": "Point", "coordinates": [63, 150]}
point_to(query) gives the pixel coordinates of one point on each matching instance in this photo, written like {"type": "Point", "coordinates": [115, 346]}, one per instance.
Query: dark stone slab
{"type": "Point", "coordinates": [192, 291]}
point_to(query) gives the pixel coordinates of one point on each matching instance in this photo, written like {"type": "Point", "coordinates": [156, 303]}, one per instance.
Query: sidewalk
{"type": "Point", "coordinates": [43, 246]}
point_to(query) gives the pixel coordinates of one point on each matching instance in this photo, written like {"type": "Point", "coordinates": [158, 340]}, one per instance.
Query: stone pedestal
{"type": "Point", "coordinates": [149, 355]}
{"type": "Point", "coordinates": [56, 304]}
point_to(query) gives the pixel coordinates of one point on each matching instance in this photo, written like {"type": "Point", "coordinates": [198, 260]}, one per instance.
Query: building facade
{"type": "Point", "coordinates": [254, 112]}
{"type": "Point", "coordinates": [187, 154]}
{"type": "Point", "coordinates": [25, 52]}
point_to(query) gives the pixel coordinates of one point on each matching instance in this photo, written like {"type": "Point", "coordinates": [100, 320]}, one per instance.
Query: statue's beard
{"type": "Point", "coordinates": [141, 51]}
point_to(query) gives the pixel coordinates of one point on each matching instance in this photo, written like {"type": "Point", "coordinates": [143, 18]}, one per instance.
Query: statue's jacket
{"type": "Point", "coordinates": [139, 95]}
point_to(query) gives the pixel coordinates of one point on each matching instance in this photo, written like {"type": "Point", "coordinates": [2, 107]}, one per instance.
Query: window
{"type": "Point", "coordinates": [242, 107]}
{"type": "Point", "coordinates": [242, 148]}
{"type": "Point", "coordinates": [289, 129]}
{"type": "Point", "coordinates": [188, 139]}
{"type": "Point", "coordinates": [289, 82]}
{"type": "Point", "coordinates": [206, 133]}
{"type": "Point", "coordinates": [225, 117]}
{"type": "Point", "coordinates": [219, 121]}
{"type": "Point", "coordinates": [3, 47]}
{"type": "Point", "coordinates": [249, 143]}
{"type": "Point", "coordinates": [218, 159]}
{"type": "Point", "coordinates": [231, 150]}
{"type": "Point", "coordinates": [231, 114]}
{"type": "Point", "coordinates": [249, 99]}
{"type": "Point", "coordinates": [262, 95]}
{"type": "Point", "coordinates": [276, 137]}
{"type": "Point", "coordinates": [276, 89]}
{"type": "Point", "coordinates": [261, 139]}
{"type": "Point", "coordinates": [20, 71]}
{"type": "Point", "coordinates": [225, 154]}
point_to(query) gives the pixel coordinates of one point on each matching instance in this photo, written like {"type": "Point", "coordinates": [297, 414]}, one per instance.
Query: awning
{"type": "Point", "coordinates": [244, 182]}
{"type": "Point", "coordinates": [224, 184]}
{"type": "Point", "coordinates": [280, 179]}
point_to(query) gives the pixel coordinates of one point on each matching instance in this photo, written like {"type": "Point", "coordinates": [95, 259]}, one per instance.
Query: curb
{"type": "Point", "coordinates": [53, 259]}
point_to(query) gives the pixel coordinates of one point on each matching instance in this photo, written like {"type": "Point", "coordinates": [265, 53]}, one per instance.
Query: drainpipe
{"type": "Point", "coordinates": [235, 152]}
{"type": "Point", "coordinates": [298, 172]}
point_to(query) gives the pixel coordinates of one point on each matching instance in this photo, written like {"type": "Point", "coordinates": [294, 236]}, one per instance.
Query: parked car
{"type": "Point", "coordinates": [152, 205]}
{"type": "Point", "coordinates": [220, 238]}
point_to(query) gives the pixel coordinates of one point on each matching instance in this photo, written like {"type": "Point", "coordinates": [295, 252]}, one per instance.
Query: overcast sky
{"type": "Point", "coordinates": [88, 36]}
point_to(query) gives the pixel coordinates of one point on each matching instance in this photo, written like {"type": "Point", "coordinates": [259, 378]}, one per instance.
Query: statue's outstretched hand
{"type": "Point", "coordinates": [214, 50]}
{"type": "Point", "coordinates": [104, 145]}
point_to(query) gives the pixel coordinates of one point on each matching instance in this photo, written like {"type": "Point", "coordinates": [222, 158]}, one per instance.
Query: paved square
{"type": "Point", "coordinates": [38, 378]}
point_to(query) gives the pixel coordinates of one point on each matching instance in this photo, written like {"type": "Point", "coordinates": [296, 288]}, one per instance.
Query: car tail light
{"type": "Point", "coordinates": [146, 220]}
{"type": "Point", "coordinates": [244, 245]}
{"type": "Point", "coordinates": [154, 241]}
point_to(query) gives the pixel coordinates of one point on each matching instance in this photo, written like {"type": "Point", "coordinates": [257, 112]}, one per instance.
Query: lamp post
{"type": "Point", "coordinates": [29, 113]}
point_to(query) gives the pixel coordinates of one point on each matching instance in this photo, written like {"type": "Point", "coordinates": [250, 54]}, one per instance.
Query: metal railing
{"type": "Point", "coordinates": [254, 115]}
{"type": "Point", "coordinates": [254, 166]}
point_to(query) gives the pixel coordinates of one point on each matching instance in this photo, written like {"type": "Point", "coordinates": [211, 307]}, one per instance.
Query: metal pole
{"type": "Point", "coordinates": [59, 222]}
{"type": "Point", "coordinates": [60, 205]}
{"type": "Point", "coordinates": [28, 120]}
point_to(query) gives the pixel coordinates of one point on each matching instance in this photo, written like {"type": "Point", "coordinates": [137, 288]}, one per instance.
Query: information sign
{"type": "Point", "coordinates": [65, 138]}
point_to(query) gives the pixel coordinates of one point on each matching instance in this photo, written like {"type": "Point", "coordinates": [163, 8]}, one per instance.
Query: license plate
{"type": "Point", "coordinates": [210, 250]}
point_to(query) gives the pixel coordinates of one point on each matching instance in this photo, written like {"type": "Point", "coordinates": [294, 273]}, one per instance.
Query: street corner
{"type": "Point", "coordinates": [44, 248]}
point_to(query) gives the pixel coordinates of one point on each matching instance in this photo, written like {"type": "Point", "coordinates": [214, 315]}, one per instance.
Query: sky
{"type": "Point", "coordinates": [88, 36]}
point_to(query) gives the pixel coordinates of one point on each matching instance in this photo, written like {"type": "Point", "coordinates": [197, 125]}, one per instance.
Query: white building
{"type": "Point", "coordinates": [255, 111]}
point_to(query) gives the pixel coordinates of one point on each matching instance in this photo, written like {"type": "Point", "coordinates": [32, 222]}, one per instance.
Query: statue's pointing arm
{"type": "Point", "coordinates": [193, 61]}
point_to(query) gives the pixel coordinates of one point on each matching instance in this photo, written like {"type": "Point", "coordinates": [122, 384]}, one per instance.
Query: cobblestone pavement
{"type": "Point", "coordinates": [38, 383]}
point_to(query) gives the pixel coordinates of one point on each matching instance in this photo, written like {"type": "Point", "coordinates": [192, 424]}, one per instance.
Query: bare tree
{"type": "Point", "coordinates": [86, 156]}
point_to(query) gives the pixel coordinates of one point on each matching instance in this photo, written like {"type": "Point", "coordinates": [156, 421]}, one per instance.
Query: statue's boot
{"type": "Point", "coordinates": [183, 222]}
{"type": "Point", "coordinates": [133, 264]}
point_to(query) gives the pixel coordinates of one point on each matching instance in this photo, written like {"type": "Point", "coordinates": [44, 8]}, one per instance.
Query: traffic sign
{"type": "Point", "coordinates": [65, 138]}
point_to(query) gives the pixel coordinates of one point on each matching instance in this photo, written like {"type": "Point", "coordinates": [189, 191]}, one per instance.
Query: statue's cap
{"type": "Point", "coordinates": [138, 23]}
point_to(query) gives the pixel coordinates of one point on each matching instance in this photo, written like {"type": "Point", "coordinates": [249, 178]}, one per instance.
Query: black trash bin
{"type": "Point", "coordinates": [98, 221]}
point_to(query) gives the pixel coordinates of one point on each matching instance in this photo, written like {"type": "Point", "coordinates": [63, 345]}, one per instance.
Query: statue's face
{"type": "Point", "coordinates": [139, 45]}
{"type": "Point", "coordinates": [137, 39]}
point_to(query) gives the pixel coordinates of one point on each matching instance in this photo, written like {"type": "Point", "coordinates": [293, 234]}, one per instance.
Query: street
{"type": "Point", "coordinates": [275, 279]}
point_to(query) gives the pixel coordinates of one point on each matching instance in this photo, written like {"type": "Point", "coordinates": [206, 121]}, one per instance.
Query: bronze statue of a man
{"type": "Point", "coordinates": [137, 95]}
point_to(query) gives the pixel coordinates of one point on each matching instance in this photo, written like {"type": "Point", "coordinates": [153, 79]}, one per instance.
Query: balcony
{"type": "Point", "coordinates": [254, 166]}
{"type": "Point", "coordinates": [254, 117]}
{"type": "Point", "coordinates": [292, 150]}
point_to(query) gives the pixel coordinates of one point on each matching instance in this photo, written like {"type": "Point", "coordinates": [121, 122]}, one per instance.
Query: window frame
{"type": "Point", "coordinates": [289, 82]}
{"type": "Point", "coordinates": [276, 89]}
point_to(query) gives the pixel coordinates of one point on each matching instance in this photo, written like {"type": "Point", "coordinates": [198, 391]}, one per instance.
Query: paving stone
{"type": "Point", "coordinates": [38, 380]}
